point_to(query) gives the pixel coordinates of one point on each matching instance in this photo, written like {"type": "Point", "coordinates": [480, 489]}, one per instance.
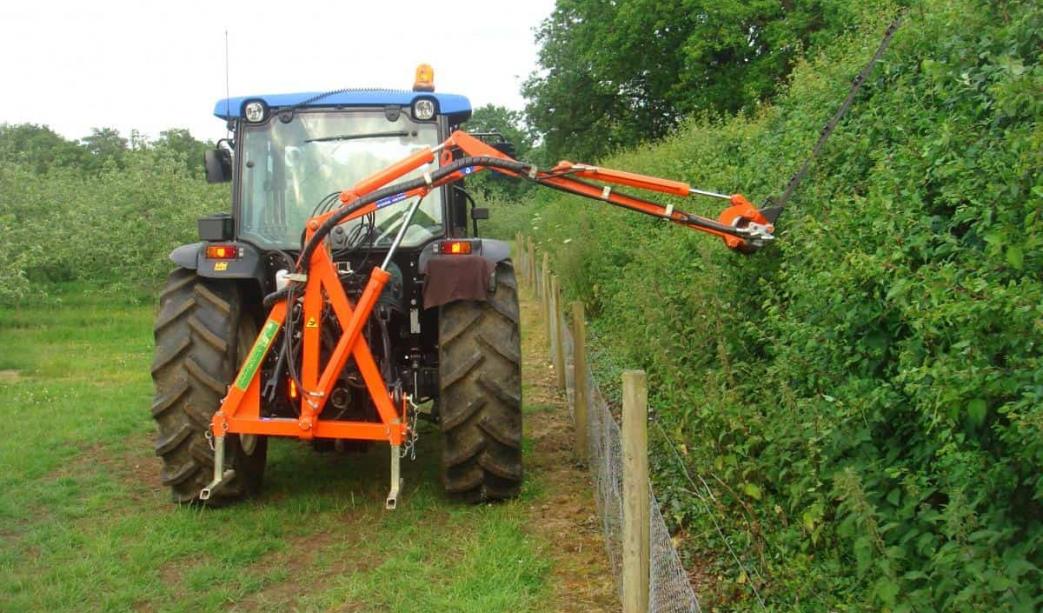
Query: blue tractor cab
{"type": "Point", "coordinates": [290, 153]}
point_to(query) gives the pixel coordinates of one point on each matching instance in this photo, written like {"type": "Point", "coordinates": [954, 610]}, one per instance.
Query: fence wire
{"type": "Point", "coordinates": [668, 587]}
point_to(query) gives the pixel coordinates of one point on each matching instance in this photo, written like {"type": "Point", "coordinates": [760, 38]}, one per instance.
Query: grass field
{"type": "Point", "coordinates": [85, 524]}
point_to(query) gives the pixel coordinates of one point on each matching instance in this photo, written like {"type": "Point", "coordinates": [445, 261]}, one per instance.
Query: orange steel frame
{"type": "Point", "coordinates": [240, 410]}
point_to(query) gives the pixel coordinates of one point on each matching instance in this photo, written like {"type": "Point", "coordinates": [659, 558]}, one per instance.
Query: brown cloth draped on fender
{"type": "Point", "coordinates": [457, 277]}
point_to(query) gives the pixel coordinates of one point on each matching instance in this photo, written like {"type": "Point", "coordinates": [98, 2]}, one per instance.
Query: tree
{"type": "Point", "coordinates": [38, 147]}
{"type": "Point", "coordinates": [105, 144]}
{"type": "Point", "coordinates": [613, 74]}
{"type": "Point", "coordinates": [180, 142]}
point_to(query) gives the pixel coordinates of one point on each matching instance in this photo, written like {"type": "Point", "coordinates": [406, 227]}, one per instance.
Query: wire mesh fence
{"type": "Point", "coordinates": [669, 588]}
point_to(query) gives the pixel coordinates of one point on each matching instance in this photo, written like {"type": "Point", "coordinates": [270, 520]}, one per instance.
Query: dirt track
{"type": "Point", "coordinates": [564, 515]}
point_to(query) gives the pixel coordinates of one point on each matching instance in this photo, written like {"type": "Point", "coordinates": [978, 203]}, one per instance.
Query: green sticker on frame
{"type": "Point", "coordinates": [260, 348]}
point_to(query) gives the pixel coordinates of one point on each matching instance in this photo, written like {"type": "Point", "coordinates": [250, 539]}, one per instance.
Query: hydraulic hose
{"type": "Point", "coordinates": [438, 174]}
{"type": "Point", "coordinates": [392, 190]}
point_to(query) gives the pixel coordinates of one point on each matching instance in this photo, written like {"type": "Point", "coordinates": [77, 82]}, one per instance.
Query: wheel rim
{"type": "Point", "coordinates": [248, 442]}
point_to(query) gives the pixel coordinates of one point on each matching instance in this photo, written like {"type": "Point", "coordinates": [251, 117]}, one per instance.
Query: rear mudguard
{"type": "Point", "coordinates": [247, 266]}
{"type": "Point", "coordinates": [461, 277]}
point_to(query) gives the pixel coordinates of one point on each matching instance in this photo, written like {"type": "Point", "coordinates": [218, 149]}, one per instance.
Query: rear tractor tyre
{"type": "Point", "coordinates": [480, 400]}
{"type": "Point", "coordinates": [202, 335]}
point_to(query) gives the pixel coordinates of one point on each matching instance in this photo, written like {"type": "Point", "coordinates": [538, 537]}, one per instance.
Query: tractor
{"type": "Point", "coordinates": [347, 294]}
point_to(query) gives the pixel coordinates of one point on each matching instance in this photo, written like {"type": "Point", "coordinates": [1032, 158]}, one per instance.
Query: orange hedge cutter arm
{"type": "Point", "coordinates": [741, 226]}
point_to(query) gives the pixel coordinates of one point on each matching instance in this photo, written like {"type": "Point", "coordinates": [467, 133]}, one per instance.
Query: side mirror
{"type": "Point", "coordinates": [479, 213]}
{"type": "Point", "coordinates": [218, 163]}
{"type": "Point", "coordinates": [504, 147]}
{"type": "Point", "coordinates": [496, 141]}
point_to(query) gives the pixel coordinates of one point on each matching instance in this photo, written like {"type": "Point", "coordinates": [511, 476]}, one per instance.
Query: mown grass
{"type": "Point", "coordinates": [85, 524]}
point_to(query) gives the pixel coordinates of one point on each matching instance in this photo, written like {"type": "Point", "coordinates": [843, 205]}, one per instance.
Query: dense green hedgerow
{"type": "Point", "coordinates": [860, 404]}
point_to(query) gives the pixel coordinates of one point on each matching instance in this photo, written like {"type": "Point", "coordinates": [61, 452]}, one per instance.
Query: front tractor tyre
{"type": "Point", "coordinates": [202, 335]}
{"type": "Point", "coordinates": [480, 399]}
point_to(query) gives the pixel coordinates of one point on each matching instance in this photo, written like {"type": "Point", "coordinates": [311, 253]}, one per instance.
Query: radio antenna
{"type": "Point", "coordinates": [228, 89]}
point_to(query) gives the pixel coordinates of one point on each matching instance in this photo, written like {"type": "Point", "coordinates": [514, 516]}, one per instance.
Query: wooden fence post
{"type": "Point", "coordinates": [559, 335]}
{"type": "Point", "coordinates": [519, 259]}
{"type": "Point", "coordinates": [544, 282]}
{"type": "Point", "coordinates": [545, 297]}
{"type": "Point", "coordinates": [537, 277]}
{"type": "Point", "coordinates": [552, 321]}
{"type": "Point", "coordinates": [579, 379]}
{"type": "Point", "coordinates": [636, 499]}
{"type": "Point", "coordinates": [528, 260]}
{"type": "Point", "coordinates": [532, 264]}
{"type": "Point", "coordinates": [545, 276]}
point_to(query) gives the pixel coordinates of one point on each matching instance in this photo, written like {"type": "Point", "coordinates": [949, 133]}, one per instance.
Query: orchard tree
{"type": "Point", "coordinates": [105, 144]}
{"type": "Point", "coordinates": [181, 143]}
{"type": "Point", "coordinates": [38, 147]}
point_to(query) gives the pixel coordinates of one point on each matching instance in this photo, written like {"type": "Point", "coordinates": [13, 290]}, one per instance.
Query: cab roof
{"type": "Point", "coordinates": [448, 104]}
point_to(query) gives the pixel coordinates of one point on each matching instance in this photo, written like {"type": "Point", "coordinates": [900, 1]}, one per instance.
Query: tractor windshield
{"type": "Point", "coordinates": [289, 167]}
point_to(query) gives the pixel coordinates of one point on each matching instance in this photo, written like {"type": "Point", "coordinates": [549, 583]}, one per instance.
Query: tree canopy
{"type": "Point", "coordinates": [38, 147]}
{"type": "Point", "coordinates": [41, 149]}
{"type": "Point", "coordinates": [613, 74]}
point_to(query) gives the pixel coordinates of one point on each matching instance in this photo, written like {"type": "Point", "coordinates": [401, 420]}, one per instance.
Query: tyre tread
{"type": "Point", "coordinates": [196, 341]}
{"type": "Point", "coordinates": [480, 380]}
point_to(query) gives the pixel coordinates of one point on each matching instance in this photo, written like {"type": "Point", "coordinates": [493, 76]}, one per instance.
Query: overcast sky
{"type": "Point", "coordinates": [75, 65]}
